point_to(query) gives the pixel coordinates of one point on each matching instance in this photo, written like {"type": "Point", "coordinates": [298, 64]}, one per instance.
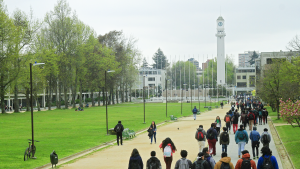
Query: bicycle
{"type": "Point", "coordinates": [29, 150]}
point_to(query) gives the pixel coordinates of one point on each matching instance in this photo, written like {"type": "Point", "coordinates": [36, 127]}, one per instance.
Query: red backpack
{"type": "Point", "coordinates": [200, 136]}
{"type": "Point", "coordinates": [227, 119]}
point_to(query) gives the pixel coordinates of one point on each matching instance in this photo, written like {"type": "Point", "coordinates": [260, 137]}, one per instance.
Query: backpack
{"type": "Point", "coordinates": [200, 136]}
{"type": "Point", "coordinates": [260, 113]}
{"type": "Point", "coordinates": [153, 165]}
{"type": "Point", "coordinates": [184, 164]}
{"type": "Point", "coordinates": [246, 164]}
{"type": "Point", "coordinates": [210, 134]}
{"type": "Point", "coordinates": [263, 113]}
{"type": "Point", "coordinates": [267, 164]}
{"type": "Point", "coordinates": [118, 128]}
{"type": "Point", "coordinates": [251, 117]}
{"type": "Point", "coordinates": [201, 165]}
{"type": "Point", "coordinates": [225, 137]}
{"type": "Point", "coordinates": [241, 135]}
{"type": "Point", "coordinates": [194, 110]}
{"type": "Point", "coordinates": [135, 164]}
{"type": "Point", "coordinates": [265, 139]}
{"type": "Point", "coordinates": [227, 119]}
{"type": "Point", "coordinates": [225, 166]}
{"type": "Point", "coordinates": [208, 161]}
{"type": "Point", "coordinates": [232, 108]}
{"type": "Point", "coordinates": [167, 151]}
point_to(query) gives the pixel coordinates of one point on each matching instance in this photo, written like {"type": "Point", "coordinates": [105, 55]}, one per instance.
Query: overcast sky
{"type": "Point", "coordinates": [186, 27]}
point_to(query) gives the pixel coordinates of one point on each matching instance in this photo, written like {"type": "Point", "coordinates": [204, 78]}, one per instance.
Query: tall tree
{"type": "Point", "coordinates": [160, 60]}
{"type": "Point", "coordinates": [145, 63]}
{"type": "Point", "coordinates": [253, 57]}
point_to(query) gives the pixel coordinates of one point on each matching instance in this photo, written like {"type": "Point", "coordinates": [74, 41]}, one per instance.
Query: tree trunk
{"type": "Point", "coordinates": [16, 100]}
{"type": "Point", "coordinates": [37, 101]}
{"type": "Point", "coordinates": [2, 97]}
{"type": "Point", "coordinates": [130, 94]}
{"type": "Point", "coordinates": [99, 97]}
{"type": "Point", "coordinates": [112, 95]}
{"type": "Point", "coordinates": [59, 95]}
{"type": "Point", "coordinates": [74, 93]}
{"type": "Point", "coordinates": [92, 96]}
{"type": "Point", "coordinates": [117, 97]}
{"type": "Point", "coordinates": [80, 94]}
{"type": "Point", "coordinates": [277, 107]}
{"type": "Point", "coordinates": [126, 93]}
{"type": "Point", "coordinates": [27, 99]}
{"type": "Point", "coordinates": [66, 97]}
{"type": "Point", "coordinates": [49, 97]}
{"type": "Point", "coordinates": [103, 97]}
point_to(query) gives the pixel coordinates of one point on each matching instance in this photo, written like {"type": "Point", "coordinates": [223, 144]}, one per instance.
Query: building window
{"type": "Point", "coordinates": [241, 84]}
{"type": "Point", "coordinates": [151, 79]}
{"type": "Point", "coordinates": [238, 77]}
{"type": "Point", "coordinates": [244, 77]}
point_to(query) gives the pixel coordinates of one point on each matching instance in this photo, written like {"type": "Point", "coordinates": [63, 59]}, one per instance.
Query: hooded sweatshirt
{"type": "Point", "coordinates": [224, 160]}
{"type": "Point", "coordinates": [237, 139]}
{"type": "Point", "coordinates": [203, 131]}
{"type": "Point", "coordinates": [153, 159]}
{"type": "Point", "coordinates": [134, 159]}
{"type": "Point", "coordinates": [261, 137]}
{"type": "Point", "coordinates": [246, 157]}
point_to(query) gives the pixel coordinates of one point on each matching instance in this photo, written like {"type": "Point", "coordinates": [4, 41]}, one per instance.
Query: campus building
{"type": "Point", "coordinates": [244, 79]}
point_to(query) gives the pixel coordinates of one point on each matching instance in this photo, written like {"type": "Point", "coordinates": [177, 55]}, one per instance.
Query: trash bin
{"type": "Point", "coordinates": [53, 158]}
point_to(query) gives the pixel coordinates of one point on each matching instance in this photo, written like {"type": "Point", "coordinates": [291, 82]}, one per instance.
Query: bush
{"type": "Point", "coordinates": [88, 100]}
{"type": "Point", "coordinates": [289, 111]}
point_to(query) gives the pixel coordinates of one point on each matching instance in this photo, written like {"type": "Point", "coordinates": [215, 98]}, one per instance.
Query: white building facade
{"type": "Point", "coordinates": [220, 51]}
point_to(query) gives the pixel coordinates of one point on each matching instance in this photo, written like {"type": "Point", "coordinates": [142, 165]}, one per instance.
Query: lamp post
{"type": "Point", "coordinates": [106, 100]}
{"type": "Point", "coordinates": [182, 96]}
{"type": "Point", "coordinates": [192, 96]}
{"type": "Point", "coordinates": [198, 96]}
{"type": "Point", "coordinates": [31, 104]}
{"type": "Point", "coordinates": [144, 96]}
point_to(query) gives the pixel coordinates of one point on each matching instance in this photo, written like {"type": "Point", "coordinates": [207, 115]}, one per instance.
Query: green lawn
{"type": "Point", "coordinates": [273, 115]}
{"type": "Point", "coordinates": [68, 131]}
{"type": "Point", "coordinates": [290, 137]}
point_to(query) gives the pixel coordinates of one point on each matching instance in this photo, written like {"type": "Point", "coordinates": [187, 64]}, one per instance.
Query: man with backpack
{"type": "Point", "coordinates": [251, 117]}
{"type": "Point", "coordinates": [195, 112]}
{"type": "Point", "coordinates": [260, 116]}
{"type": "Point", "coordinates": [235, 121]}
{"type": "Point", "coordinates": [244, 119]}
{"type": "Point", "coordinates": [209, 158]}
{"type": "Point", "coordinates": [224, 163]}
{"type": "Point", "coordinates": [200, 136]}
{"type": "Point", "coordinates": [245, 162]}
{"type": "Point", "coordinates": [265, 138]}
{"type": "Point", "coordinates": [265, 115]}
{"type": "Point", "coordinates": [212, 138]}
{"type": "Point", "coordinates": [224, 140]}
{"type": "Point", "coordinates": [183, 163]}
{"type": "Point", "coordinates": [267, 161]}
{"type": "Point", "coordinates": [254, 137]}
{"type": "Point", "coordinates": [256, 116]}
{"type": "Point", "coordinates": [153, 162]}
{"type": "Point", "coordinates": [119, 129]}
{"type": "Point", "coordinates": [227, 120]}
{"type": "Point", "coordinates": [241, 138]}
{"type": "Point", "coordinates": [200, 163]}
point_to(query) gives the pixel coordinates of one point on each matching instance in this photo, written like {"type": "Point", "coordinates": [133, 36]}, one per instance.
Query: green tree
{"type": "Point", "coordinates": [145, 63]}
{"type": "Point", "coordinates": [160, 60]}
{"type": "Point", "coordinates": [253, 57]}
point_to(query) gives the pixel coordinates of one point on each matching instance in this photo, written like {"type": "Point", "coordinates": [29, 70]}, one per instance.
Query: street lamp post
{"type": "Point", "coordinates": [166, 98]}
{"type": "Point", "coordinates": [199, 97]}
{"type": "Point", "coordinates": [106, 100]}
{"type": "Point", "coordinates": [144, 97]}
{"type": "Point", "coordinates": [31, 104]}
{"type": "Point", "coordinates": [182, 96]}
{"type": "Point", "coordinates": [205, 94]}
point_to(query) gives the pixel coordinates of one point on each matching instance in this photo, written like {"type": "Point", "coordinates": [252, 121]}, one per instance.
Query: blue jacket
{"type": "Point", "coordinates": [195, 111]}
{"type": "Point", "coordinates": [254, 136]}
{"type": "Point", "coordinates": [261, 162]}
{"type": "Point", "coordinates": [246, 138]}
{"type": "Point", "coordinates": [214, 132]}
{"type": "Point", "coordinates": [138, 159]}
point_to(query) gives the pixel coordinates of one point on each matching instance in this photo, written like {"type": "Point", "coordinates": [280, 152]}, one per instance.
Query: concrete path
{"type": "Point", "coordinates": [183, 135]}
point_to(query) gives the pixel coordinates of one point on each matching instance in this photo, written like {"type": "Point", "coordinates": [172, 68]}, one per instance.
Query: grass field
{"type": "Point", "coordinates": [68, 131]}
{"type": "Point", "coordinates": [273, 115]}
{"type": "Point", "coordinates": [290, 137]}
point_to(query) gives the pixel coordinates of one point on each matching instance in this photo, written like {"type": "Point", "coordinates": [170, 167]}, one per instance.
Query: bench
{"type": "Point", "coordinates": [128, 134]}
{"type": "Point", "coordinates": [173, 117]}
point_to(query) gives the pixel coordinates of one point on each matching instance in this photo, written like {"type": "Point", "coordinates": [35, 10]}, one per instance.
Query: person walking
{"type": "Point", "coordinates": [183, 163]}
{"type": "Point", "coordinates": [244, 119]}
{"type": "Point", "coordinates": [218, 124]}
{"type": "Point", "coordinates": [221, 104]}
{"type": "Point", "coordinates": [168, 148]}
{"type": "Point", "coordinates": [153, 128]}
{"type": "Point", "coordinates": [195, 112]}
{"type": "Point", "coordinates": [238, 105]}
{"type": "Point", "coordinates": [212, 138]}
{"type": "Point", "coordinates": [241, 138]}
{"type": "Point", "coordinates": [245, 162]}
{"type": "Point", "coordinates": [251, 118]}
{"type": "Point", "coordinates": [119, 129]}
{"type": "Point", "coordinates": [254, 137]}
{"type": "Point", "coordinates": [135, 160]}
{"type": "Point", "coordinates": [227, 120]}
{"type": "Point", "coordinates": [265, 115]}
{"type": "Point", "coordinates": [260, 116]}
{"type": "Point", "coordinates": [153, 162]}
{"type": "Point", "coordinates": [235, 121]}
{"type": "Point", "coordinates": [224, 140]}
{"type": "Point", "coordinates": [255, 111]}
{"type": "Point", "coordinates": [225, 162]}
{"type": "Point", "coordinates": [267, 160]}
{"type": "Point", "coordinates": [200, 136]}
{"type": "Point", "coordinates": [200, 163]}
{"type": "Point", "coordinates": [209, 158]}
{"type": "Point", "coordinates": [265, 138]}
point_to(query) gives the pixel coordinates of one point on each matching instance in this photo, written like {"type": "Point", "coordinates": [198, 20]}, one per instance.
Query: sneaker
{"type": "Point", "coordinates": [253, 158]}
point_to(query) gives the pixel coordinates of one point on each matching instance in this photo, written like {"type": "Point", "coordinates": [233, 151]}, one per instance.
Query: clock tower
{"type": "Point", "coordinates": [220, 51]}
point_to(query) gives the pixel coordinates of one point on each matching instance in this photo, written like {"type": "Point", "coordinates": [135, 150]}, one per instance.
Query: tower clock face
{"type": "Point", "coordinates": [220, 23]}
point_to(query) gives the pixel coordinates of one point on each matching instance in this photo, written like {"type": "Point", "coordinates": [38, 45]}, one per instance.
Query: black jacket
{"type": "Point", "coordinates": [153, 159]}
{"type": "Point", "coordinates": [199, 161]}
{"type": "Point", "coordinates": [235, 118]}
{"type": "Point", "coordinates": [122, 128]}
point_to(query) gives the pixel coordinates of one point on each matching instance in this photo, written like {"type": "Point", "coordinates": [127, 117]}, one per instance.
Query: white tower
{"type": "Point", "coordinates": [221, 51]}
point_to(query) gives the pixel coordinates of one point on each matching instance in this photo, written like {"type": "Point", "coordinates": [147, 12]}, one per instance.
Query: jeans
{"type": "Point", "coordinates": [228, 126]}
{"type": "Point", "coordinates": [119, 136]}
{"type": "Point", "coordinates": [154, 134]}
{"type": "Point", "coordinates": [235, 128]}
{"type": "Point", "coordinates": [241, 147]}
{"type": "Point", "coordinates": [212, 146]}
{"type": "Point", "coordinates": [201, 145]}
{"type": "Point", "coordinates": [245, 125]}
{"type": "Point", "coordinates": [168, 161]}
{"type": "Point", "coordinates": [265, 119]}
{"type": "Point", "coordinates": [224, 148]}
{"type": "Point", "coordinates": [195, 115]}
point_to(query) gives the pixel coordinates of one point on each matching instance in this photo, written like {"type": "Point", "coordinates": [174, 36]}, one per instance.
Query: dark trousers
{"type": "Point", "coordinates": [255, 146]}
{"type": "Point", "coordinates": [119, 136]}
{"type": "Point", "coordinates": [212, 146]}
{"type": "Point", "coordinates": [265, 119]}
{"type": "Point", "coordinates": [168, 161]}
{"type": "Point", "coordinates": [228, 126]}
{"type": "Point", "coordinates": [260, 119]}
{"type": "Point", "coordinates": [153, 135]}
{"type": "Point", "coordinates": [245, 124]}
{"type": "Point", "coordinates": [218, 130]}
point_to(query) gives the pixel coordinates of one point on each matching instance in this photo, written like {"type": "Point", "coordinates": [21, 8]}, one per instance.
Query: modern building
{"type": "Point", "coordinates": [245, 79]}
{"type": "Point", "coordinates": [245, 57]}
{"type": "Point", "coordinates": [220, 51]}
{"type": "Point", "coordinates": [195, 62]}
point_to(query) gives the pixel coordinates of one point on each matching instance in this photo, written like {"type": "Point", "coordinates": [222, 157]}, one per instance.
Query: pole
{"type": "Point", "coordinates": [106, 105]}
{"type": "Point", "coordinates": [166, 98]}
{"type": "Point", "coordinates": [191, 99]}
{"type": "Point", "coordinates": [205, 95]}
{"type": "Point", "coordinates": [144, 96]}
{"type": "Point", "coordinates": [181, 100]}
{"type": "Point", "coordinates": [31, 104]}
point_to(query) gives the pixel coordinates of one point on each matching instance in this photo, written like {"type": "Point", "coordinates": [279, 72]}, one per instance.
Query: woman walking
{"type": "Point", "coordinates": [153, 128]}
{"type": "Point", "coordinates": [168, 148]}
{"type": "Point", "coordinates": [218, 124]}
{"type": "Point", "coordinates": [135, 160]}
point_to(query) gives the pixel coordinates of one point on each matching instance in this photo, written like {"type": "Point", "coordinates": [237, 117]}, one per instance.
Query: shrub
{"type": "Point", "coordinates": [289, 111]}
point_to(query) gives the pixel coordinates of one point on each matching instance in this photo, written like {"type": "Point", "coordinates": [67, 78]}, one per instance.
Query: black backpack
{"type": "Point", "coordinates": [200, 165]}
{"type": "Point", "coordinates": [135, 164]}
{"type": "Point", "coordinates": [246, 164]}
{"type": "Point", "coordinates": [210, 134]}
{"type": "Point", "coordinates": [225, 166]}
{"type": "Point", "coordinates": [118, 128]}
{"type": "Point", "coordinates": [265, 139]}
{"type": "Point", "coordinates": [200, 135]}
{"type": "Point", "coordinates": [267, 164]}
{"type": "Point", "coordinates": [153, 164]}
{"type": "Point", "coordinates": [225, 137]}
{"type": "Point", "coordinates": [251, 117]}
{"type": "Point", "coordinates": [232, 109]}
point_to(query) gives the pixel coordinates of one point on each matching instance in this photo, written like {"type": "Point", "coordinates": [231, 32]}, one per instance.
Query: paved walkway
{"type": "Point", "coordinates": [184, 139]}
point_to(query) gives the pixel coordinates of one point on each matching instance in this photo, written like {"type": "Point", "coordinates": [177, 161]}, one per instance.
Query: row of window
{"type": "Point", "coordinates": [239, 77]}
{"type": "Point", "coordinates": [150, 72]}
